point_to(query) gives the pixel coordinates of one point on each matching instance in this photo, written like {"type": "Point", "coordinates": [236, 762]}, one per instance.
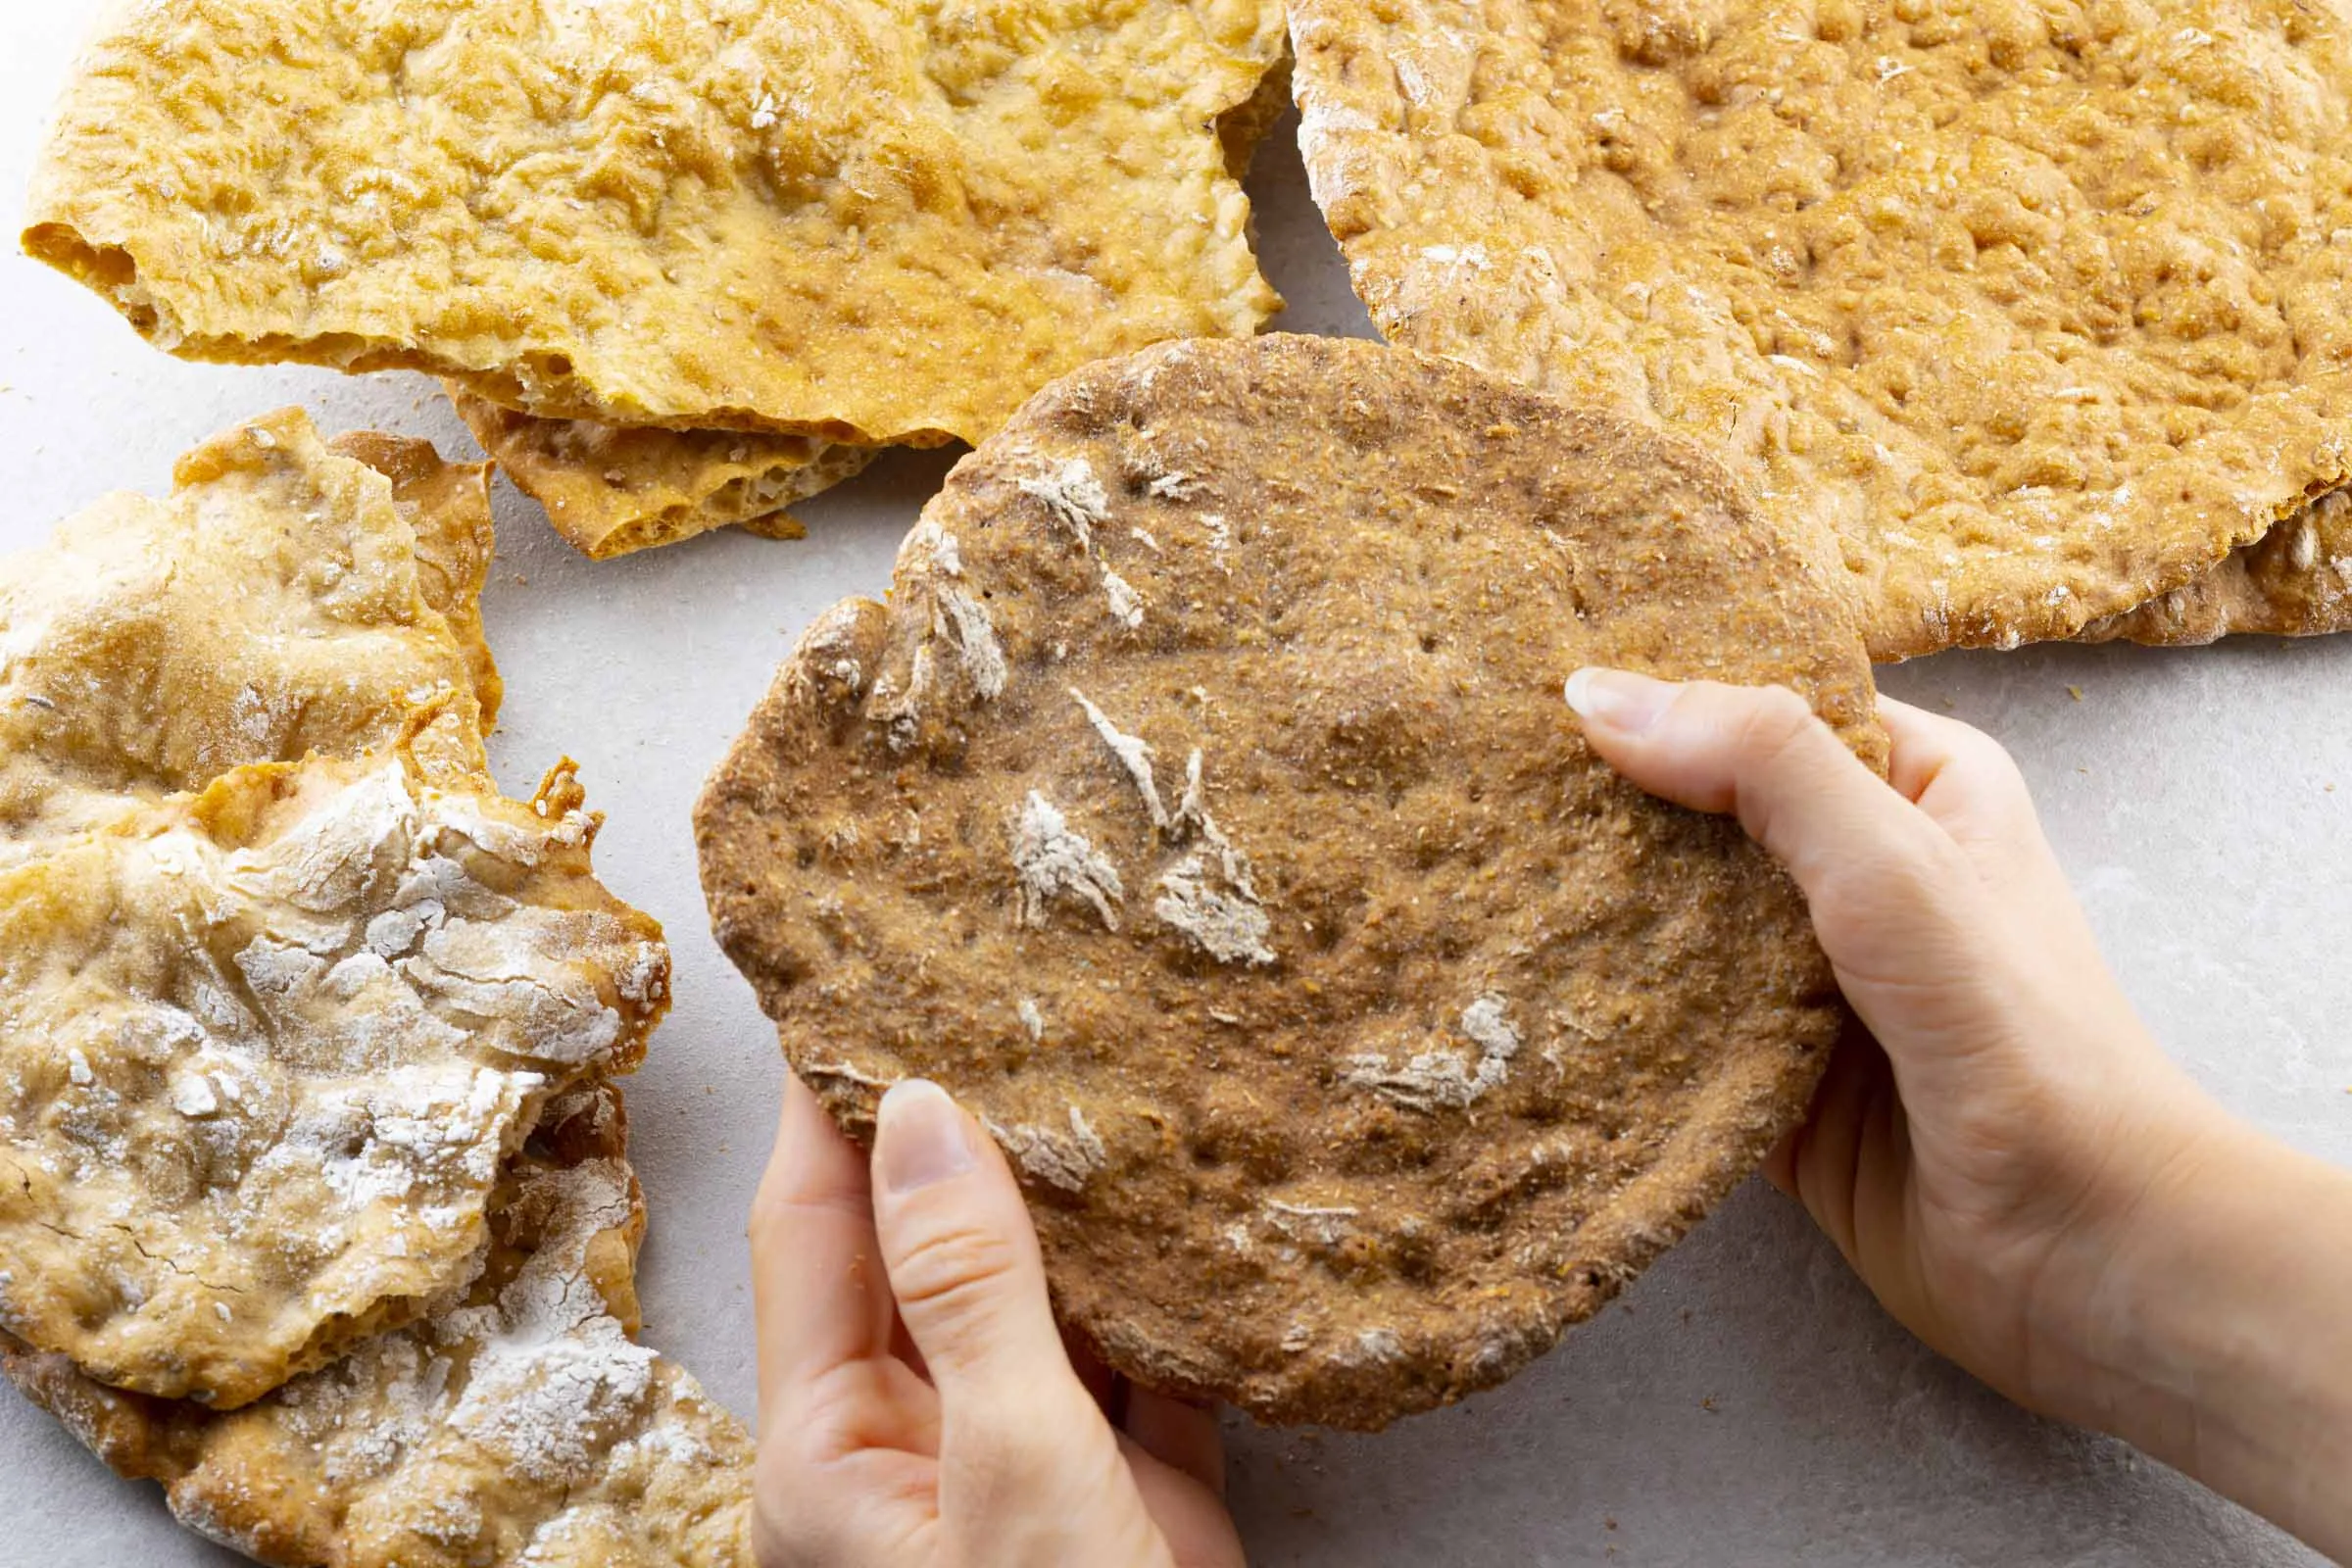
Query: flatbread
{"type": "Point", "coordinates": [844, 219]}
{"type": "Point", "coordinates": [2294, 581]}
{"type": "Point", "coordinates": [612, 489]}
{"type": "Point", "coordinates": [447, 506]}
{"type": "Point", "coordinates": [516, 1424]}
{"type": "Point", "coordinates": [289, 596]}
{"type": "Point", "coordinates": [263, 1048]}
{"type": "Point", "coordinates": [1201, 808]}
{"type": "Point", "coordinates": [2040, 312]}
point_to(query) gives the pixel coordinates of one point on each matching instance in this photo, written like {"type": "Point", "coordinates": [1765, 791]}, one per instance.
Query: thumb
{"type": "Point", "coordinates": [961, 1253]}
{"type": "Point", "coordinates": [1760, 753]}
{"type": "Point", "coordinates": [1894, 901]}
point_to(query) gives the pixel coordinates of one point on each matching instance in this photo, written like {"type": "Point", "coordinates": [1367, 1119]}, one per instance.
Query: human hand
{"type": "Point", "coordinates": [1973, 1154]}
{"type": "Point", "coordinates": [918, 1407]}
{"type": "Point", "coordinates": [2002, 1152]}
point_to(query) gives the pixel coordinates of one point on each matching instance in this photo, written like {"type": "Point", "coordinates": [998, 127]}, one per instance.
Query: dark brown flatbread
{"type": "Point", "coordinates": [1204, 812]}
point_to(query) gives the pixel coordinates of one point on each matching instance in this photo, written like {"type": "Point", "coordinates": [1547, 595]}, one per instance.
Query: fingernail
{"type": "Point", "coordinates": [922, 1136]}
{"type": "Point", "coordinates": [1617, 699]}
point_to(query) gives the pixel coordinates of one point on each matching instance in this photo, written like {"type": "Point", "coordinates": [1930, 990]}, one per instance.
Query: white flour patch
{"type": "Point", "coordinates": [1063, 1158]}
{"type": "Point", "coordinates": [1327, 180]}
{"type": "Point", "coordinates": [1126, 605]}
{"type": "Point", "coordinates": [1052, 858]}
{"type": "Point", "coordinates": [1133, 755]}
{"type": "Point", "coordinates": [1072, 495]}
{"type": "Point", "coordinates": [1229, 927]}
{"type": "Point", "coordinates": [844, 1072]}
{"type": "Point", "coordinates": [1321, 1225]}
{"type": "Point", "coordinates": [1220, 539]}
{"type": "Point", "coordinates": [965, 620]}
{"type": "Point", "coordinates": [558, 1381]}
{"type": "Point", "coordinates": [1433, 1079]}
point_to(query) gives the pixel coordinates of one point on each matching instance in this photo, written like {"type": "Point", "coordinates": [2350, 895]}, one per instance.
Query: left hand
{"type": "Point", "coordinates": [918, 1407]}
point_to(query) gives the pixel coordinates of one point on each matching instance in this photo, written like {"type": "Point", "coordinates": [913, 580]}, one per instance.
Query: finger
{"type": "Point", "coordinates": [1894, 901]}
{"type": "Point", "coordinates": [820, 1294]}
{"type": "Point", "coordinates": [962, 1259]}
{"type": "Point", "coordinates": [1825, 1153]}
{"type": "Point", "coordinates": [1199, 1533]}
{"type": "Point", "coordinates": [1969, 786]}
{"type": "Point", "coordinates": [1183, 1437]}
{"type": "Point", "coordinates": [1755, 751]}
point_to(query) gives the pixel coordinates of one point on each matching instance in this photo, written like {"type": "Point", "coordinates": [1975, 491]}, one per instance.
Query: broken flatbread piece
{"type": "Point", "coordinates": [263, 1047]}
{"type": "Point", "coordinates": [1202, 810]}
{"type": "Point", "coordinates": [289, 596]}
{"type": "Point", "coordinates": [853, 221]}
{"type": "Point", "coordinates": [2294, 581]}
{"type": "Point", "coordinates": [2039, 312]}
{"type": "Point", "coordinates": [516, 1423]}
{"type": "Point", "coordinates": [611, 489]}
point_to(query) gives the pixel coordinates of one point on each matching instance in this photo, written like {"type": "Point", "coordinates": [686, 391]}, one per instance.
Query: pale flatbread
{"type": "Point", "coordinates": [1201, 808]}
{"type": "Point", "coordinates": [287, 596]}
{"type": "Point", "coordinates": [282, 976]}
{"type": "Point", "coordinates": [844, 218]}
{"type": "Point", "coordinates": [611, 489]}
{"type": "Point", "coordinates": [264, 1047]}
{"type": "Point", "coordinates": [2041, 312]}
{"type": "Point", "coordinates": [515, 1425]}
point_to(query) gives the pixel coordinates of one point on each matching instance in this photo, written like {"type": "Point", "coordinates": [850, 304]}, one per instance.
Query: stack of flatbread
{"type": "Point", "coordinates": [681, 262]}
{"type": "Point", "coordinates": [314, 1203]}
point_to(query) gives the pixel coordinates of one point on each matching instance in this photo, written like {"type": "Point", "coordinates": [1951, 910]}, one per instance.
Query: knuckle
{"type": "Point", "coordinates": [1889, 885]}
{"type": "Point", "coordinates": [951, 1267]}
{"type": "Point", "coordinates": [1994, 768]}
{"type": "Point", "coordinates": [1777, 720]}
{"type": "Point", "coordinates": [785, 1195]}
{"type": "Point", "coordinates": [819, 1421]}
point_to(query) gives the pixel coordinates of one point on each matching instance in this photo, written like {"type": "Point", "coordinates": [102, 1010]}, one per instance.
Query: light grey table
{"type": "Point", "coordinates": [1745, 1404]}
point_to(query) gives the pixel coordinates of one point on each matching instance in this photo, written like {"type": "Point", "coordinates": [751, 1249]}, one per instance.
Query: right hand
{"type": "Point", "coordinates": [1976, 1154]}
{"type": "Point", "coordinates": [2002, 1152]}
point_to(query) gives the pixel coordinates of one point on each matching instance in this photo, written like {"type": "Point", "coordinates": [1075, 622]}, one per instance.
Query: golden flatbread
{"type": "Point", "coordinates": [288, 596]}
{"type": "Point", "coordinates": [1203, 809]}
{"type": "Point", "coordinates": [516, 1424]}
{"type": "Point", "coordinates": [611, 489]}
{"type": "Point", "coordinates": [845, 218]}
{"type": "Point", "coordinates": [2039, 310]}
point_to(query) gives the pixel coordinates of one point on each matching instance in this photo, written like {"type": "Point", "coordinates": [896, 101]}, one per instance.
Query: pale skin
{"type": "Point", "coordinates": [2000, 1151]}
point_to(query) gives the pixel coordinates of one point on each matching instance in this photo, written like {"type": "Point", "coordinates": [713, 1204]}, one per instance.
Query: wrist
{"type": "Point", "coordinates": [2207, 1325]}
{"type": "Point", "coordinates": [2125, 1211]}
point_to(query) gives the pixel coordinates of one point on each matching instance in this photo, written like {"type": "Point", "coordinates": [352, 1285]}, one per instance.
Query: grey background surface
{"type": "Point", "coordinates": [1745, 1404]}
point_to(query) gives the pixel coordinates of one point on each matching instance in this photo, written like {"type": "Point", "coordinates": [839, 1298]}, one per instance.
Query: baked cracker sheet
{"type": "Point", "coordinates": [612, 489]}
{"type": "Point", "coordinates": [856, 221]}
{"type": "Point", "coordinates": [2037, 313]}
